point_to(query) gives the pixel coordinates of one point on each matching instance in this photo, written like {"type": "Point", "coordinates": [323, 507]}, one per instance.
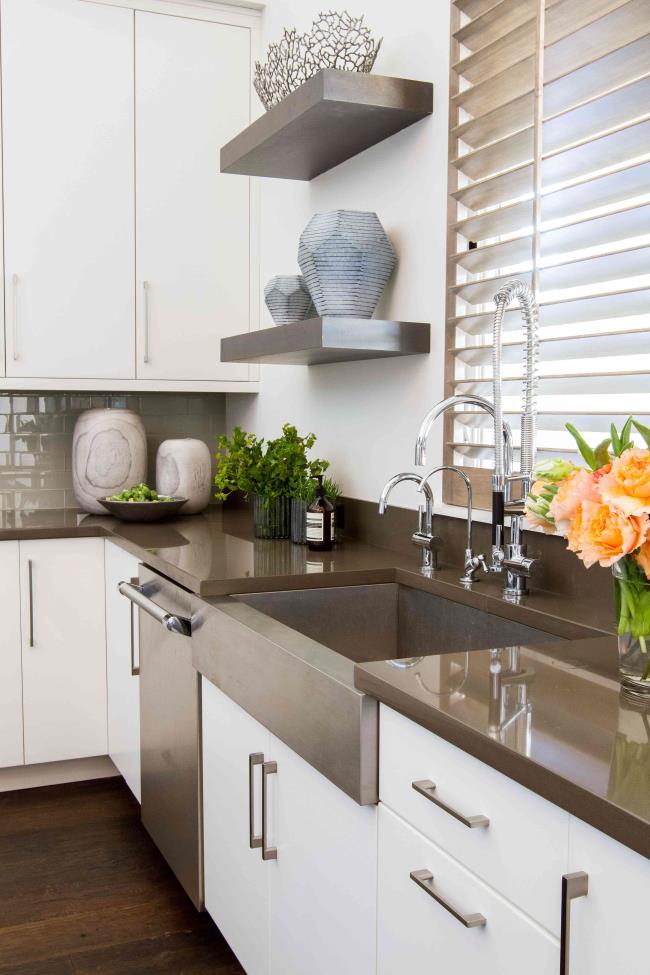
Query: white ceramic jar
{"type": "Point", "coordinates": [109, 454]}
{"type": "Point", "coordinates": [184, 470]}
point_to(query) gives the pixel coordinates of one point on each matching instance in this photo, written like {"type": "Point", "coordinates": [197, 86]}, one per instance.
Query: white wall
{"type": "Point", "coordinates": [366, 414]}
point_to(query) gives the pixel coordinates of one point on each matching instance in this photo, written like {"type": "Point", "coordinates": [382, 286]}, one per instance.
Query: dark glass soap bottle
{"type": "Point", "coordinates": [320, 521]}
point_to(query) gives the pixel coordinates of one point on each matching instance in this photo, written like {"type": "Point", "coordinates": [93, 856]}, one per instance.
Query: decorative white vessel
{"type": "Point", "coordinates": [184, 470]}
{"type": "Point", "coordinates": [109, 454]}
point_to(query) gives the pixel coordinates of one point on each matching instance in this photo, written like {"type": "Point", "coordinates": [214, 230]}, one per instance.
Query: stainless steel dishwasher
{"type": "Point", "coordinates": [170, 727]}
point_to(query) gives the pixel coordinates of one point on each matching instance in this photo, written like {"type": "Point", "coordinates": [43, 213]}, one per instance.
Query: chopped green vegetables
{"type": "Point", "coordinates": [141, 492]}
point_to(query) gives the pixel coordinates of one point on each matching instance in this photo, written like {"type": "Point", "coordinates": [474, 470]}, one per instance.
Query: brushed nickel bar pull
{"type": "Point", "coordinates": [424, 880]}
{"type": "Point", "coordinates": [145, 290]}
{"type": "Point", "coordinates": [171, 622]}
{"type": "Point", "coordinates": [135, 669]}
{"type": "Point", "coordinates": [14, 287]}
{"type": "Point", "coordinates": [268, 768]}
{"type": "Point", "coordinates": [427, 788]}
{"type": "Point", "coordinates": [30, 579]}
{"type": "Point", "coordinates": [573, 885]}
{"type": "Point", "coordinates": [256, 758]}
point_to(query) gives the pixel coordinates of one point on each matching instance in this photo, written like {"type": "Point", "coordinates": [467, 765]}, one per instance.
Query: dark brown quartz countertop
{"type": "Point", "coordinates": [579, 743]}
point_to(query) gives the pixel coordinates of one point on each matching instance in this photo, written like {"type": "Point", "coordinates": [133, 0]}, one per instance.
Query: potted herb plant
{"type": "Point", "coordinates": [268, 472]}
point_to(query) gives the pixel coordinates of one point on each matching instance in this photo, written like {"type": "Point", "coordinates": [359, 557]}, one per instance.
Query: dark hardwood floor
{"type": "Point", "coordinates": [84, 891]}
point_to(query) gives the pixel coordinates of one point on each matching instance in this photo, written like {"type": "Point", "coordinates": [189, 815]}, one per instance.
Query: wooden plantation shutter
{"type": "Point", "coordinates": [549, 182]}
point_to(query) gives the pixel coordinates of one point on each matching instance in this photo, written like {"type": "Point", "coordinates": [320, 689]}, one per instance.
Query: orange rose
{"type": "Point", "coordinates": [627, 485]}
{"type": "Point", "coordinates": [643, 558]}
{"type": "Point", "coordinates": [578, 486]}
{"type": "Point", "coordinates": [602, 534]}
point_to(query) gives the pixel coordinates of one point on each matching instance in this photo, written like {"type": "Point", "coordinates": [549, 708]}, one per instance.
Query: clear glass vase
{"type": "Point", "coordinates": [272, 517]}
{"type": "Point", "coordinates": [632, 598]}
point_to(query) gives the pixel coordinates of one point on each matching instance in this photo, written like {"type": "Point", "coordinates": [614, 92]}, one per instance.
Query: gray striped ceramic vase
{"type": "Point", "coordinates": [346, 259]}
{"type": "Point", "coordinates": [287, 298]}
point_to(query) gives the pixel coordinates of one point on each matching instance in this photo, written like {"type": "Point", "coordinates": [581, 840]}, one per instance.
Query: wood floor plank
{"type": "Point", "coordinates": [84, 891]}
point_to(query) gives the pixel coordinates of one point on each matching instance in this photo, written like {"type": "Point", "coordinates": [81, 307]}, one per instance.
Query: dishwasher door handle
{"type": "Point", "coordinates": [171, 622]}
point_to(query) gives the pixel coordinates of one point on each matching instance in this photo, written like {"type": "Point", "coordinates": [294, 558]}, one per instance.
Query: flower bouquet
{"type": "Point", "coordinates": [603, 511]}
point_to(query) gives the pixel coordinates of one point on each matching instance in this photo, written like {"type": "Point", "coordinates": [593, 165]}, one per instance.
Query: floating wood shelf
{"type": "Point", "coordinates": [321, 340]}
{"type": "Point", "coordinates": [330, 118]}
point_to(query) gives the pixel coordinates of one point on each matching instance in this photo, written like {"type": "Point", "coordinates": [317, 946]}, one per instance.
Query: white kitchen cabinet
{"type": "Point", "coordinates": [324, 881]}
{"type": "Point", "coordinates": [418, 935]}
{"type": "Point", "coordinates": [122, 667]}
{"type": "Point", "coordinates": [608, 927]}
{"type": "Point", "coordinates": [312, 907]}
{"type": "Point", "coordinates": [11, 690]}
{"type": "Point", "coordinates": [68, 144]}
{"type": "Point", "coordinates": [192, 222]}
{"type": "Point", "coordinates": [63, 648]}
{"type": "Point", "coordinates": [236, 877]}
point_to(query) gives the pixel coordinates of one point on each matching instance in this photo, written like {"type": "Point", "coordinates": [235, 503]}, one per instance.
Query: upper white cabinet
{"type": "Point", "coordinates": [63, 648]}
{"type": "Point", "coordinates": [192, 223]}
{"type": "Point", "coordinates": [11, 689]}
{"type": "Point", "coordinates": [67, 131]}
{"type": "Point", "coordinates": [127, 254]}
{"type": "Point", "coordinates": [122, 668]}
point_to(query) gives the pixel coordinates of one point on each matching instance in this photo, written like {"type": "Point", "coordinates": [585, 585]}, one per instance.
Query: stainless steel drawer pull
{"type": "Point", "coordinates": [424, 880]}
{"type": "Point", "coordinates": [573, 885]}
{"type": "Point", "coordinates": [268, 768]}
{"type": "Point", "coordinates": [256, 758]}
{"type": "Point", "coordinates": [145, 291]}
{"type": "Point", "coordinates": [30, 580]}
{"type": "Point", "coordinates": [135, 669]}
{"type": "Point", "coordinates": [427, 788]}
{"type": "Point", "coordinates": [175, 624]}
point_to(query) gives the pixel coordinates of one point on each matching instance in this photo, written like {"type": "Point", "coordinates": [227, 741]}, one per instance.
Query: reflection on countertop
{"type": "Point", "coordinates": [548, 719]}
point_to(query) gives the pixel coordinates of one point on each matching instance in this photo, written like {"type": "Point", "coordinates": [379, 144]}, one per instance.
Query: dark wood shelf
{"type": "Point", "coordinates": [321, 340]}
{"type": "Point", "coordinates": [332, 117]}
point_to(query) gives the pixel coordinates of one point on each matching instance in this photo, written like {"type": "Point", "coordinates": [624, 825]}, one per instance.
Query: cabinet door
{"type": "Point", "coordinates": [122, 670]}
{"type": "Point", "coordinates": [324, 881]}
{"type": "Point", "coordinates": [11, 691]}
{"type": "Point", "coordinates": [192, 222]}
{"type": "Point", "coordinates": [236, 877]}
{"type": "Point", "coordinates": [608, 926]}
{"type": "Point", "coordinates": [64, 648]}
{"type": "Point", "coordinates": [67, 101]}
{"type": "Point", "coordinates": [416, 934]}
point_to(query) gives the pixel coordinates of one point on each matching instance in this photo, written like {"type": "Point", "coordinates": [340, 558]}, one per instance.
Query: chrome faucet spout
{"type": "Point", "coordinates": [472, 562]}
{"type": "Point", "coordinates": [423, 537]}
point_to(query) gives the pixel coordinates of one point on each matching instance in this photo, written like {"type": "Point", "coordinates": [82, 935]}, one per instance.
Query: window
{"type": "Point", "coordinates": [549, 182]}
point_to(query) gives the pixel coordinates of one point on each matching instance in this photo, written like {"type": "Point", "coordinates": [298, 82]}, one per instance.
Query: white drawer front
{"type": "Point", "coordinates": [418, 936]}
{"type": "Point", "coordinates": [522, 853]}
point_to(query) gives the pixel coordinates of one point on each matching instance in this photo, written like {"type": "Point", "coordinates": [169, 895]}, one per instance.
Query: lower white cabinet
{"type": "Point", "coordinates": [11, 689]}
{"type": "Point", "coordinates": [608, 926]}
{"type": "Point", "coordinates": [122, 668]}
{"type": "Point", "coordinates": [63, 648]}
{"type": "Point", "coordinates": [310, 906]}
{"type": "Point", "coordinates": [436, 924]}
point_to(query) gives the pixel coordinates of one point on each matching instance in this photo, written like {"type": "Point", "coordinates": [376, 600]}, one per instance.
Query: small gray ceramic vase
{"type": "Point", "coordinates": [287, 298]}
{"type": "Point", "coordinates": [184, 470]}
{"type": "Point", "coordinates": [346, 259]}
{"type": "Point", "coordinates": [109, 454]}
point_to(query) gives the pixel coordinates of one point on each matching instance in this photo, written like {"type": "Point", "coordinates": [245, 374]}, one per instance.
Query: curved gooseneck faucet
{"type": "Point", "coordinates": [423, 537]}
{"type": "Point", "coordinates": [472, 562]}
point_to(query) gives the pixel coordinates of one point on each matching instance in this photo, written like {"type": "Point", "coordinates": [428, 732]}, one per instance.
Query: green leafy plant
{"type": "Point", "coordinates": [332, 489]}
{"type": "Point", "coordinates": [269, 468]}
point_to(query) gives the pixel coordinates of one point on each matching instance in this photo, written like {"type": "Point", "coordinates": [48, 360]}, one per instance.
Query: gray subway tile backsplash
{"type": "Point", "coordinates": [36, 437]}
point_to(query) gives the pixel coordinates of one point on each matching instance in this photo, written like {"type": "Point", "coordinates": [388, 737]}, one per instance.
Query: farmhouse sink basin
{"type": "Point", "coordinates": [288, 659]}
{"type": "Point", "coordinates": [386, 622]}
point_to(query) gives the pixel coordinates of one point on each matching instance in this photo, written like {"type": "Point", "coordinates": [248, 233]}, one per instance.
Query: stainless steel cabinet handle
{"type": "Point", "coordinates": [424, 880]}
{"type": "Point", "coordinates": [30, 582]}
{"type": "Point", "coordinates": [255, 759]}
{"type": "Point", "coordinates": [137, 595]}
{"type": "Point", "coordinates": [135, 669]}
{"type": "Point", "coordinates": [145, 291]}
{"type": "Point", "coordinates": [573, 885]}
{"type": "Point", "coordinates": [14, 286]}
{"type": "Point", "coordinates": [268, 768]}
{"type": "Point", "coordinates": [427, 788]}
